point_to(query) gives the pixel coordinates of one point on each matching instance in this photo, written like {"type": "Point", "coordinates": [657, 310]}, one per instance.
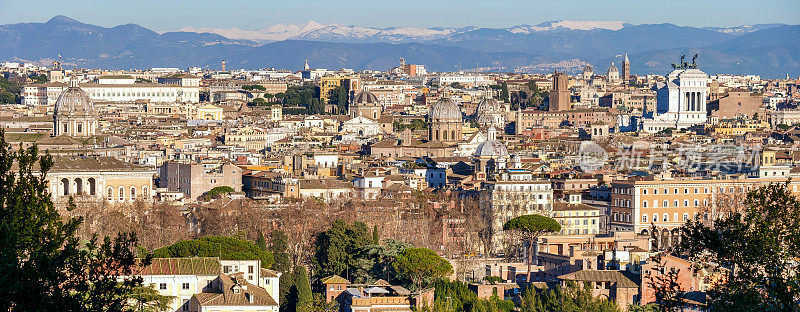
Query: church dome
{"type": "Point", "coordinates": [365, 98]}
{"type": "Point", "coordinates": [445, 108]}
{"type": "Point", "coordinates": [613, 68]}
{"type": "Point", "coordinates": [74, 101]}
{"type": "Point", "coordinates": [488, 106]}
{"type": "Point", "coordinates": [491, 148]}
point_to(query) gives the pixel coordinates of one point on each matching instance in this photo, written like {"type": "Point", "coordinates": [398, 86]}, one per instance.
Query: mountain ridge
{"type": "Point", "coordinates": [770, 51]}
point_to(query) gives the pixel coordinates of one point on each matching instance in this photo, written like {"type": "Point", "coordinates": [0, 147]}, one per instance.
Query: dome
{"type": "Point", "coordinates": [488, 106]}
{"type": "Point", "coordinates": [365, 98]}
{"type": "Point", "coordinates": [491, 149]}
{"type": "Point", "coordinates": [74, 101]}
{"type": "Point", "coordinates": [445, 108]}
{"type": "Point", "coordinates": [613, 68]}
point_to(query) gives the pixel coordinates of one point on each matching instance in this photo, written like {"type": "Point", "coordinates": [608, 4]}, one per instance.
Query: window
{"type": "Point", "coordinates": [644, 218]}
{"type": "Point", "coordinates": [226, 269]}
{"type": "Point", "coordinates": [133, 193]}
{"type": "Point", "coordinates": [666, 204]}
{"type": "Point", "coordinates": [121, 193]}
{"type": "Point", "coordinates": [666, 218]}
{"type": "Point", "coordinates": [655, 217]}
{"type": "Point", "coordinates": [676, 204]}
{"type": "Point", "coordinates": [685, 217]}
{"type": "Point", "coordinates": [250, 269]}
{"type": "Point", "coordinates": [162, 286]}
{"type": "Point", "coordinates": [644, 191]}
{"type": "Point", "coordinates": [185, 286]}
{"type": "Point", "coordinates": [644, 204]}
{"type": "Point", "coordinates": [110, 194]}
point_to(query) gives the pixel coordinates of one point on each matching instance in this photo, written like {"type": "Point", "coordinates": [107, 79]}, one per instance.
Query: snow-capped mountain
{"type": "Point", "coordinates": [567, 25]}
{"type": "Point", "coordinates": [743, 29]}
{"type": "Point", "coordinates": [343, 33]}
{"type": "Point", "coordinates": [272, 33]}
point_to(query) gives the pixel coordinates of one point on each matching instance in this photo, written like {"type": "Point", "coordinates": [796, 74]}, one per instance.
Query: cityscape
{"type": "Point", "coordinates": [544, 164]}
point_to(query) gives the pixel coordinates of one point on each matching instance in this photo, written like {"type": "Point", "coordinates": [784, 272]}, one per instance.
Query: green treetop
{"type": "Point", "coordinates": [529, 227]}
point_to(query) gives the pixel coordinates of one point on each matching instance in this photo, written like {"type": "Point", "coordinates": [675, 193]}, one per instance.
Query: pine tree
{"type": "Point", "coordinates": [376, 240]}
{"type": "Point", "coordinates": [305, 301]}
{"type": "Point", "coordinates": [43, 266]}
{"type": "Point", "coordinates": [287, 293]}
{"type": "Point", "coordinates": [279, 246]}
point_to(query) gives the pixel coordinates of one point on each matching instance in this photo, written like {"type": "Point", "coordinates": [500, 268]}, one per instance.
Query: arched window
{"type": "Point", "coordinates": [133, 193]}
{"type": "Point", "coordinates": [65, 186]}
{"type": "Point", "coordinates": [78, 186]}
{"type": "Point", "coordinates": [110, 194]}
{"type": "Point", "coordinates": [444, 135]}
{"type": "Point", "coordinates": [92, 186]}
{"type": "Point", "coordinates": [121, 193]}
{"type": "Point", "coordinates": [453, 136]}
{"type": "Point", "coordinates": [145, 194]}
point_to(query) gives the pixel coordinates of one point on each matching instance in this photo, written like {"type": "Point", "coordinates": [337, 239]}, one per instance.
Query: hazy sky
{"type": "Point", "coordinates": [254, 14]}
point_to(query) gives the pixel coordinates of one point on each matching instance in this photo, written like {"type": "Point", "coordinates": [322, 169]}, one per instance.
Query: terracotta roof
{"type": "Point", "coordinates": [183, 266]}
{"type": "Point", "coordinates": [268, 273]}
{"type": "Point", "coordinates": [618, 277]}
{"type": "Point", "coordinates": [96, 163]}
{"type": "Point", "coordinates": [227, 296]}
{"type": "Point", "coordinates": [335, 279]}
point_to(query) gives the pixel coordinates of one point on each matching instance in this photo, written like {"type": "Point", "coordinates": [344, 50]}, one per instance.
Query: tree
{"type": "Point", "coordinates": [420, 263]}
{"type": "Point", "coordinates": [337, 247]}
{"type": "Point", "coordinates": [9, 91]}
{"type": "Point", "coordinates": [572, 297]}
{"type": "Point", "coordinates": [376, 239]}
{"type": "Point", "coordinates": [758, 247]}
{"type": "Point", "coordinates": [340, 96]}
{"type": "Point", "coordinates": [375, 262]}
{"type": "Point", "coordinates": [287, 292]}
{"type": "Point", "coordinates": [504, 91]}
{"type": "Point", "coordinates": [226, 248]}
{"type": "Point", "coordinates": [217, 192]}
{"type": "Point", "coordinates": [258, 102]}
{"type": "Point", "coordinates": [44, 265]}
{"type": "Point", "coordinates": [669, 295]}
{"type": "Point", "coordinates": [147, 299]}
{"type": "Point", "coordinates": [279, 246]}
{"type": "Point", "coordinates": [530, 227]}
{"type": "Point", "coordinates": [305, 301]}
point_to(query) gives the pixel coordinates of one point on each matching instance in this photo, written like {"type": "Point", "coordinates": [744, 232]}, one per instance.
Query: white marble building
{"type": "Point", "coordinates": [680, 101]}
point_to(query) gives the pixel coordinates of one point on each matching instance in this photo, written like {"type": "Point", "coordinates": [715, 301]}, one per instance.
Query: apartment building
{"type": "Point", "coordinates": [195, 179]}
{"type": "Point", "coordinates": [668, 204]}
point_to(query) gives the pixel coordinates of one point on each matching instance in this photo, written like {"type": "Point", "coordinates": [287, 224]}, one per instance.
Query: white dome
{"type": "Point", "coordinates": [613, 68]}
{"type": "Point", "coordinates": [488, 106]}
{"type": "Point", "coordinates": [491, 149]}
{"type": "Point", "coordinates": [445, 108]}
{"type": "Point", "coordinates": [74, 101]}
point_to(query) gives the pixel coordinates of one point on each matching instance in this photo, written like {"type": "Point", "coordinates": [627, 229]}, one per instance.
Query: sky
{"type": "Point", "coordinates": [169, 15]}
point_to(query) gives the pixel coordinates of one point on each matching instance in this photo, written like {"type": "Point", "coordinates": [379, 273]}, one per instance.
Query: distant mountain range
{"type": "Point", "coordinates": [769, 50]}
